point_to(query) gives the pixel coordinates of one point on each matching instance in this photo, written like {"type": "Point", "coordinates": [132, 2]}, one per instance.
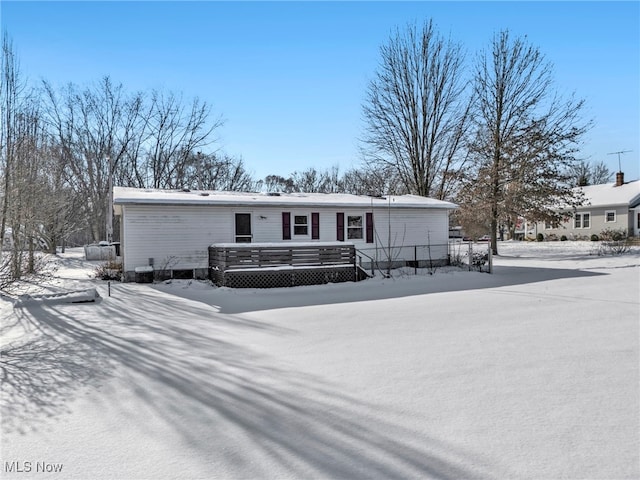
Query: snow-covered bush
{"type": "Point", "coordinates": [479, 260]}
{"type": "Point", "coordinates": [109, 271]}
{"type": "Point", "coordinates": [613, 247]}
{"type": "Point", "coordinates": [612, 234]}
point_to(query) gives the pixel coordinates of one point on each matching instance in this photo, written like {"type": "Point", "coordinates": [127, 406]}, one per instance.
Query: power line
{"type": "Point", "coordinates": [619, 153]}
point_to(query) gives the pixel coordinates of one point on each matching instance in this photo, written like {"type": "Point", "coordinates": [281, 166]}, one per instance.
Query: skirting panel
{"type": "Point", "coordinates": [281, 278]}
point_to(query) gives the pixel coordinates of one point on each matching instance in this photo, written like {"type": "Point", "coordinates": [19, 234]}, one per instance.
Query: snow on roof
{"type": "Point", "coordinates": [125, 195]}
{"type": "Point", "coordinates": [608, 194]}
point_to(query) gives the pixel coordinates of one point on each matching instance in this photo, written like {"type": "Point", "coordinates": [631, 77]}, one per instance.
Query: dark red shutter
{"type": "Point", "coordinates": [315, 226]}
{"type": "Point", "coordinates": [370, 227]}
{"type": "Point", "coordinates": [340, 226]}
{"type": "Point", "coordinates": [286, 225]}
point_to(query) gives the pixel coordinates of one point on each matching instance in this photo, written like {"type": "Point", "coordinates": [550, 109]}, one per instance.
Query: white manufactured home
{"type": "Point", "coordinates": [171, 230]}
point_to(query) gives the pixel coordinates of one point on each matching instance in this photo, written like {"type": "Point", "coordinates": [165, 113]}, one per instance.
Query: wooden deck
{"type": "Point", "coordinates": [255, 265]}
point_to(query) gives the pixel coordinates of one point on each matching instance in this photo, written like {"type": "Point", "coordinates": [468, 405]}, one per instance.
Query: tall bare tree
{"type": "Point", "coordinates": [416, 110]}
{"type": "Point", "coordinates": [12, 91]}
{"type": "Point", "coordinates": [526, 137]}
{"type": "Point", "coordinates": [26, 201]}
{"type": "Point", "coordinates": [175, 131]}
{"type": "Point", "coordinates": [94, 127]}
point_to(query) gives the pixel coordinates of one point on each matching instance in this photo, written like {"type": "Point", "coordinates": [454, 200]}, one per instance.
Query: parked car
{"type": "Point", "coordinates": [484, 238]}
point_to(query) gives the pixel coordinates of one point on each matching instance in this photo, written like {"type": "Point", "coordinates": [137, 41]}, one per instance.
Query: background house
{"type": "Point", "coordinates": [172, 230]}
{"type": "Point", "coordinates": [614, 206]}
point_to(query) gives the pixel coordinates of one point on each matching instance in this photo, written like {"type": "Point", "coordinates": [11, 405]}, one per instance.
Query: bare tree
{"type": "Point", "coordinates": [175, 132]}
{"type": "Point", "coordinates": [26, 201]}
{"type": "Point", "coordinates": [526, 137]}
{"type": "Point", "coordinates": [585, 173]}
{"type": "Point", "coordinates": [600, 173]}
{"type": "Point", "coordinates": [417, 111]}
{"type": "Point", "coordinates": [383, 180]}
{"type": "Point", "coordinates": [12, 89]}
{"type": "Point", "coordinates": [313, 180]}
{"type": "Point", "coordinates": [94, 128]}
{"type": "Point", "coordinates": [218, 171]}
{"type": "Point", "coordinates": [276, 183]}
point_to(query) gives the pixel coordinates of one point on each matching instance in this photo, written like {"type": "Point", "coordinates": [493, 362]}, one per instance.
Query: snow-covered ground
{"type": "Point", "coordinates": [532, 372]}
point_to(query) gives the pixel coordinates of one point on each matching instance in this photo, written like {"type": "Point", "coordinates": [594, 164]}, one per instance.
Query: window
{"type": "Point", "coordinates": [582, 220]}
{"type": "Point", "coordinates": [354, 227]}
{"type": "Point", "coordinates": [548, 225]}
{"type": "Point", "coordinates": [300, 225]}
{"type": "Point", "coordinates": [610, 216]}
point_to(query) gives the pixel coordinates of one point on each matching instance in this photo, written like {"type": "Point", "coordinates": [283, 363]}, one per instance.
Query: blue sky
{"type": "Point", "coordinates": [289, 78]}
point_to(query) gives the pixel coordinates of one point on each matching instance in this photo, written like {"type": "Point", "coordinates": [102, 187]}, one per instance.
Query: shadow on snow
{"type": "Point", "coordinates": [189, 364]}
{"type": "Point", "coordinates": [234, 301]}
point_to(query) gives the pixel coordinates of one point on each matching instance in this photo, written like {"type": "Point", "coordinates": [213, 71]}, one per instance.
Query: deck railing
{"type": "Point", "coordinates": [274, 265]}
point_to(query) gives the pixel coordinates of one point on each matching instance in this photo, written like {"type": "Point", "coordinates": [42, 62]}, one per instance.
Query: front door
{"type": "Point", "coordinates": [243, 228]}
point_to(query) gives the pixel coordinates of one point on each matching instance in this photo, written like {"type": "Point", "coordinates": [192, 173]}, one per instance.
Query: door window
{"type": "Point", "coordinates": [243, 228]}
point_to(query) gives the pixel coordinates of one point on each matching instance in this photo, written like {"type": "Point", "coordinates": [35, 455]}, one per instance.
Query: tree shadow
{"type": "Point", "coordinates": [190, 365]}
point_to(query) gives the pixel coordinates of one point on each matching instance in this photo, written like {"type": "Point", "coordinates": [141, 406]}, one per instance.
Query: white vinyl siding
{"type": "Point", "coordinates": [179, 235]}
{"type": "Point", "coordinates": [173, 235]}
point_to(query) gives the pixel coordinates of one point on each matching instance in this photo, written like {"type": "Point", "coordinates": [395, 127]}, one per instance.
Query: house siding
{"type": "Point", "coordinates": [178, 236]}
{"type": "Point", "coordinates": [410, 227]}
{"type": "Point", "coordinates": [598, 223]}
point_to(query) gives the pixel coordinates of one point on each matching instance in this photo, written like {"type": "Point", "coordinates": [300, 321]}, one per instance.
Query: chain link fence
{"type": "Point", "coordinates": [425, 259]}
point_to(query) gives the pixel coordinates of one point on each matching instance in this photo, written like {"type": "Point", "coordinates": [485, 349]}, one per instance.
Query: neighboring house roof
{"type": "Point", "coordinates": [126, 196]}
{"type": "Point", "coordinates": [608, 194]}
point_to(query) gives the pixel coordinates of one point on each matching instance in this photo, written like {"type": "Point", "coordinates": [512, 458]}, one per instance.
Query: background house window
{"type": "Point", "coordinates": [582, 220]}
{"type": "Point", "coordinates": [300, 225]}
{"type": "Point", "coordinates": [610, 216]}
{"type": "Point", "coordinates": [354, 227]}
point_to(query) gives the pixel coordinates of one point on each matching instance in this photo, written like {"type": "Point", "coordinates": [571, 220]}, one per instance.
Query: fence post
{"type": "Point", "coordinates": [470, 255]}
{"type": "Point", "coordinates": [415, 260]}
{"type": "Point", "coordinates": [357, 261]}
{"type": "Point", "coordinates": [490, 256]}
